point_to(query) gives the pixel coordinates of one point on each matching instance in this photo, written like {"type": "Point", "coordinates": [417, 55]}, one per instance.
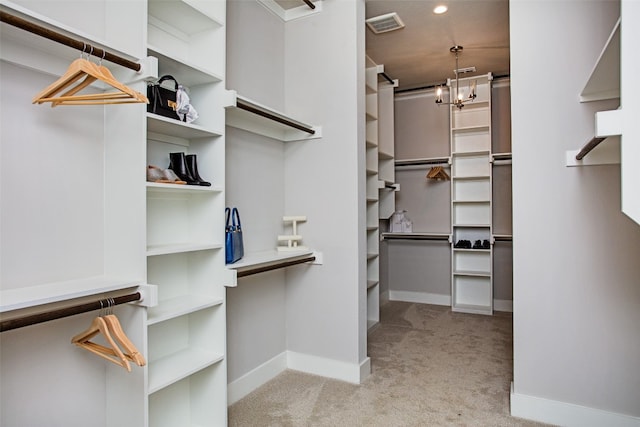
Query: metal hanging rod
{"type": "Point", "coordinates": [253, 109]}
{"type": "Point", "coordinates": [387, 78]}
{"type": "Point", "coordinates": [415, 236]}
{"type": "Point", "coordinates": [7, 325]}
{"type": "Point", "coordinates": [67, 41]}
{"type": "Point", "coordinates": [256, 270]}
{"type": "Point", "coordinates": [588, 147]}
{"type": "Point", "coordinates": [310, 4]}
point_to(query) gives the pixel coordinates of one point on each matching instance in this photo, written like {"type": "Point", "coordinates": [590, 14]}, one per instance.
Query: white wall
{"type": "Point", "coordinates": [576, 270]}
{"type": "Point", "coordinates": [326, 307]}
{"type": "Point", "coordinates": [311, 69]}
{"type": "Point", "coordinates": [255, 185]}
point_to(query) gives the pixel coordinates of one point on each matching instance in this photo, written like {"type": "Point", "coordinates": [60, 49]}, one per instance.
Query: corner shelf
{"type": "Point", "coordinates": [243, 113]}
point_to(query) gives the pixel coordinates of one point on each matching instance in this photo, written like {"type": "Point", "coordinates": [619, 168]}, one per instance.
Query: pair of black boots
{"type": "Point", "coordinates": [466, 244]}
{"type": "Point", "coordinates": [186, 167]}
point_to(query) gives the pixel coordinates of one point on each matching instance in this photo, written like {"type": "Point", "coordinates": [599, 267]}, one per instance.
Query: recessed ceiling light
{"type": "Point", "coordinates": [440, 9]}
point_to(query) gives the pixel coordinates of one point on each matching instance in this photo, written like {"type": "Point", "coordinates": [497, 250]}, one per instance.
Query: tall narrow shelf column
{"type": "Point", "coordinates": [185, 237]}
{"type": "Point", "coordinates": [471, 201]}
{"type": "Point", "coordinates": [373, 185]}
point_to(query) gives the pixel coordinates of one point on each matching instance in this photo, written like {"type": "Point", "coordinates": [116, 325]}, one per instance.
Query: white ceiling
{"type": "Point", "coordinates": [418, 55]}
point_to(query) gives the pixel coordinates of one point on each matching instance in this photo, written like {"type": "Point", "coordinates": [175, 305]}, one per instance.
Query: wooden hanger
{"type": "Point", "coordinates": [99, 326]}
{"type": "Point", "coordinates": [91, 72]}
{"type": "Point", "coordinates": [437, 172]}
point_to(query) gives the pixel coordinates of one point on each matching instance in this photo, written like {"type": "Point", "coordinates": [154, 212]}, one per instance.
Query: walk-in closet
{"type": "Point", "coordinates": [131, 130]}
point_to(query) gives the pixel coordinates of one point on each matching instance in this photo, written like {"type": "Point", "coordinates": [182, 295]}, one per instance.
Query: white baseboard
{"type": "Point", "coordinates": [440, 299]}
{"type": "Point", "coordinates": [566, 414]}
{"type": "Point", "coordinates": [253, 379]}
{"type": "Point", "coordinates": [420, 297]}
{"type": "Point", "coordinates": [336, 369]}
{"type": "Point", "coordinates": [315, 365]}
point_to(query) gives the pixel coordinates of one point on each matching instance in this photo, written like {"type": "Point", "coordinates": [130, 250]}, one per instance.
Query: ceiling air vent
{"type": "Point", "coordinates": [385, 23]}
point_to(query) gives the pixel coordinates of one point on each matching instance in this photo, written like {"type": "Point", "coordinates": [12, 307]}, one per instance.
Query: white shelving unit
{"type": "Point", "coordinates": [373, 185]}
{"type": "Point", "coordinates": [185, 233]}
{"type": "Point", "coordinates": [471, 201]}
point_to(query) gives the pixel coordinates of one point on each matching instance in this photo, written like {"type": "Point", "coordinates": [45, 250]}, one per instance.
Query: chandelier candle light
{"type": "Point", "coordinates": [458, 100]}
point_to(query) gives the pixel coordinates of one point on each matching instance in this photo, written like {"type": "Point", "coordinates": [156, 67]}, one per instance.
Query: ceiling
{"type": "Point", "coordinates": [418, 55]}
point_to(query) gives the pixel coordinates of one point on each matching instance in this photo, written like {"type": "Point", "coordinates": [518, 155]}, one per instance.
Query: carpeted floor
{"type": "Point", "coordinates": [430, 367]}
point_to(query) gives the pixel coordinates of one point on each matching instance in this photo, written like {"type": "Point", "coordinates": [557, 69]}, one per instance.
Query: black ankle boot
{"type": "Point", "coordinates": [192, 167]}
{"type": "Point", "coordinates": [178, 164]}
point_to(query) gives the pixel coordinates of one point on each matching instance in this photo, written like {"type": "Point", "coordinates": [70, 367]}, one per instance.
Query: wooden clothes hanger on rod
{"type": "Point", "coordinates": [437, 173]}
{"type": "Point", "coordinates": [110, 327]}
{"type": "Point", "coordinates": [91, 72]}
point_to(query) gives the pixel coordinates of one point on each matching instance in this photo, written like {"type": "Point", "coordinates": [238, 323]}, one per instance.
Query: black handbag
{"type": "Point", "coordinates": [162, 101]}
{"type": "Point", "coordinates": [234, 245]}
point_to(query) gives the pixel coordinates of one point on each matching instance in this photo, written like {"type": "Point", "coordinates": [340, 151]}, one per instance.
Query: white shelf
{"type": "Point", "coordinates": [155, 187]}
{"type": "Point", "coordinates": [166, 126]}
{"type": "Point", "coordinates": [275, 125]}
{"type": "Point", "coordinates": [155, 250]}
{"type": "Point", "coordinates": [187, 74]}
{"type": "Point", "coordinates": [180, 306]}
{"type": "Point", "coordinates": [472, 273]}
{"type": "Point", "coordinates": [472, 308]}
{"type": "Point", "coordinates": [183, 17]}
{"type": "Point", "coordinates": [16, 299]}
{"type": "Point", "coordinates": [173, 368]}
{"type": "Point", "coordinates": [257, 262]}
{"type": "Point", "coordinates": [470, 177]}
{"type": "Point", "coordinates": [415, 236]}
{"type": "Point", "coordinates": [604, 80]}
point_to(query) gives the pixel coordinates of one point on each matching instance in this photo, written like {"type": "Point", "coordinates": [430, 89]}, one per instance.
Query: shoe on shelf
{"type": "Point", "coordinates": [178, 164]}
{"type": "Point", "coordinates": [477, 245]}
{"type": "Point", "coordinates": [485, 244]}
{"type": "Point", "coordinates": [164, 176]}
{"type": "Point", "coordinates": [192, 167]}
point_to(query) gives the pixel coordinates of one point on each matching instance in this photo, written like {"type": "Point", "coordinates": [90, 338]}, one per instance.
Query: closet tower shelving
{"type": "Point", "coordinates": [471, 200]}
{"type": "Point", "coordinates": [380, 181]}
{"type": "Point", "coordinates": [185, 237]}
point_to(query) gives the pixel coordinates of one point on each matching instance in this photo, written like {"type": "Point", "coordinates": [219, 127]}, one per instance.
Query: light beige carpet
{"type": "Point", "coordinates": [430, 367]}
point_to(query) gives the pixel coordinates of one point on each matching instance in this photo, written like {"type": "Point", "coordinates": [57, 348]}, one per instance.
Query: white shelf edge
{"type": "Point", "coordinates": [156, 187]}
{"type": "Point", "coordinates": [31, 296]}
{"type": "Point", "coordinates": [171, 127]}
{"type": "Point", "coordinates": [268, 258]}
{"type": "Point", "coordinates": [189, 361]}
{"type": "Point", "coordinates": [179, 306]}
{"type": "Point", "coordinates": [155, 250]}
{"type": "Point", "coordinates": [472, 308]}
{"type": "Point", "coordinates": [242, 119]}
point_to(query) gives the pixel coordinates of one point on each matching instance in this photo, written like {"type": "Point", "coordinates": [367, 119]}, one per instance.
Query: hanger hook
{"type": "Point", "coordinates": [84, 46]}
{"type": "Point", "coordinates": [101, 308]}
{"type": "Point", "coordinates": [90, 52]}
{"type": "Point", "coordinates": [113, 304]}
{"type": "Point", "coordinates": [104, 53]}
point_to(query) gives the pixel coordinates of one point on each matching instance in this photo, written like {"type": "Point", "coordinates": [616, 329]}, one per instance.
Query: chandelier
{"type": "Point", "coordinates": [459, 99]}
